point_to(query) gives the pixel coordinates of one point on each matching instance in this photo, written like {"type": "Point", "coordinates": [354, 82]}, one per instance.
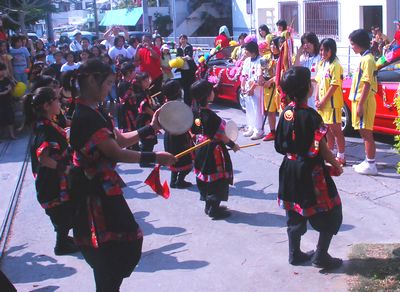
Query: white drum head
{"type": "Point", "coordinates": [175, 117]}
{"type": "Point", "coordinates": [231, 130]}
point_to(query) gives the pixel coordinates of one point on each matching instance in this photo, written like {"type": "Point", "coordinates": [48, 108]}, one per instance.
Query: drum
{"type": "Point", "coordinates": [175, 117]}
{"type": "Point", "coordinates": [231, 130]}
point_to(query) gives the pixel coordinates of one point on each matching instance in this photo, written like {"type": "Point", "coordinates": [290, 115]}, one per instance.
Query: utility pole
{"type": "Point", "coordinates": [96, 21]}
{"type": "Point", "coordinates": [174, 18]}
{"type": "Point", "coordinates": [145, 7]}
{"type": "Point", "coordinates": [50, 31]}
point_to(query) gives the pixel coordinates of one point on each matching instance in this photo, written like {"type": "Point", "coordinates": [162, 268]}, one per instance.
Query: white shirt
{"type": "Point", "coordinates": [131, 52]}
{"type": "Point", "coordinates": [114, 52]}
{"type": "Point", "coordinates": [75, 46]}
{"type": "Point", "coordinates": [67, 67]}
{"type": "Point", "coordinates": [251, 71]}
{"type": "Point", "coordinates": [310, 63]}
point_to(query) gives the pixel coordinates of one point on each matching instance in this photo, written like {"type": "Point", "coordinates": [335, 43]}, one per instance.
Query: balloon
{"type": "Point", "coordinates": [19, 89]}
{"type": "Point", "coordinates": [201, 59]}
{"type": "Point", "coordinates": [212, 52]}
{"type": "Point", "coordinates": [233, 43]}
{"type": "Point", "coordinates": [218, 47]}
{"type": "Point", "coordinates": [381, 61]}
{"type": "Point", "coordinates": [176, 63]}
{"type": "Point", "coordinates": [250, 38]}
{"type": "Point", "coordinates": [207, 56]}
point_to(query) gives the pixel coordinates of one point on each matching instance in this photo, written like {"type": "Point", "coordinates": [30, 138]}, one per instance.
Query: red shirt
{"type": "Point", "coordinates": [397, 37]}
{"type": "Point", "coordinates": [149, 64]}
{"type": "Point", "coordinates": [3, 36]}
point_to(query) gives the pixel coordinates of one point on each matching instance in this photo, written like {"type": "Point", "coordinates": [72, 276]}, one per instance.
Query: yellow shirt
{"type": "Point", "coordinates": [366, 73]}
{"type": "Point", "coordinates": [330, 74]}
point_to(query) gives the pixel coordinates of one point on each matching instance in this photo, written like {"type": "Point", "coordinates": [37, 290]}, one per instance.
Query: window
{"type": "Point", "coordinates": [78, 6]}
{"type": "Point", "coordinates": [289, 11]}
{"type": "Point", "coordinates": [322, 17]}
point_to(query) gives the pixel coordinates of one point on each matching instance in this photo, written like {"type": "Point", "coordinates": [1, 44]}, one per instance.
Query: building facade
{"type": "Point", "coordinates": [327, 18]}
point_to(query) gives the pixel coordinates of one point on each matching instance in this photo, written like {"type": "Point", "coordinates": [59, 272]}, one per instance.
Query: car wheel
{"type": "Point", "coordinates": [241, 100]}
{"type": "Point", "coordinates": [346, 120]}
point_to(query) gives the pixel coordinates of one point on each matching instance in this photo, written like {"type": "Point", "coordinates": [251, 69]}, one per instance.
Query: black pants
{"type": "Point", "coordinates": [61, 216]}
{"type": "Point", "coordinates": [187, 79]}
{"type": "Point", "coordinates": [329, 222]}
{"type": "Point", "coordinates": [112, 262]}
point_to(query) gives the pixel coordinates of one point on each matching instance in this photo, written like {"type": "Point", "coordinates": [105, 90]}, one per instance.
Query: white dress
{"type": "Point", "coordinates": [311, 62]}
{"type": "Point", "coordinates": [254, 104]}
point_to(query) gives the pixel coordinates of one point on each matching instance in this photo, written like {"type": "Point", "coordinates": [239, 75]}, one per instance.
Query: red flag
{"type": "Point", "coordinates": [153, 180]}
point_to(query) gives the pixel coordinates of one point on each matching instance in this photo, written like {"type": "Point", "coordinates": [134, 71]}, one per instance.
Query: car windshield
{"type": "Point", "coordinates": [390, 73]}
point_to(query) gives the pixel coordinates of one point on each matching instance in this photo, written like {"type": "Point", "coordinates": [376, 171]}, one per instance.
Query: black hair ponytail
{"type": "Point", "coordinates": [34, 101]}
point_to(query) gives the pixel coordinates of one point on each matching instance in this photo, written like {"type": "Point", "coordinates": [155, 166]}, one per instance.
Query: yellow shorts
{"type": "Point", "coordinates": [331, 115]}
{"type": "Point", "coordinates": [269, 97]}
{"type": "Point", "coordinates": [367, 120]}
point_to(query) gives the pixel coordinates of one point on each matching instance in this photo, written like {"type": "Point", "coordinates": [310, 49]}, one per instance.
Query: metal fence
{"type": "Point", "coordinates": [322, 17]}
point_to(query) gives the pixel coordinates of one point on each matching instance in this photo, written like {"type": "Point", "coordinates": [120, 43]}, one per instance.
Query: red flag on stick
{"type": "Point", "coordinates": [153, 180]}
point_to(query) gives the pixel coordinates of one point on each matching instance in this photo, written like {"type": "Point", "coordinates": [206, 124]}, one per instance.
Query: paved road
{"type": "Point", "coordinates": [186, 251]}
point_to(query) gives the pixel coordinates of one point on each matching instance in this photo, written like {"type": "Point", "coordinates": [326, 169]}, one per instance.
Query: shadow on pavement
{"type": "Point", "coordinates": [257, 219]}
{"type": "Point", "coordinates": [46, 289]}
{"type": "Point", "coordinates": [30, 267]}
{"type": "Point", "coordinates": [162, 258]}
{"type": "Point", "coordinates": [150, 229]}
{"type": "Point", "coordinates": [242, 189]}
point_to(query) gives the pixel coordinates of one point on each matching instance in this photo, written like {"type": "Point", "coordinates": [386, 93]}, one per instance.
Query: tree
{"type": "Point", "coordinates": [20, 13]}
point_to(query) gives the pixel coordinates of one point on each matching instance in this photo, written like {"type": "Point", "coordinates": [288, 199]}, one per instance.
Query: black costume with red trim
{"type": "Point", "coordinates": [305, 185]}
{"type": "Point", "coordinates": [105, 228]}
{"type": "Point", "coordinates": [213, 165]}
{"type": "Point", "coordinates": [144, 119]}
{"type": "Point", "coordinates": [52, 185]}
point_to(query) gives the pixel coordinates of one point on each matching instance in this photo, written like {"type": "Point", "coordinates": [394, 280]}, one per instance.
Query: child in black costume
{"type": "Point", "coordinates": [128, 109]}
{"type": "Point", "coordinates": [104, 227]}
{"type": "Point", "coordinates": [213, 166]}
{"type": "Point", "coordinates": [146, 108]}
{"type": "Point", "coordinates": [175, 144]}
{"type": "Point", "coordinates": [306, 189]}
{"type": "Point", "coordinates": [6, 101]}
{"type": "Point", "coordinates": [50, 164]}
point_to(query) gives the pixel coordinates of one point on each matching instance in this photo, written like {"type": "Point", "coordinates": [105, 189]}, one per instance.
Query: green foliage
{"type": "Point", "coordinates": [163, 23]}
{"type": "Point", "coordinates": [24, 12]}
{"type": "Point", "coordinates": [397, 122]}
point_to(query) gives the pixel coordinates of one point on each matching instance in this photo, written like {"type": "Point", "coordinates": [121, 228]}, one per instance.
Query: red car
{"type": "Point", "coordinates": [223, 72]}
{"type": "Point", "coordinates": [386, 112]}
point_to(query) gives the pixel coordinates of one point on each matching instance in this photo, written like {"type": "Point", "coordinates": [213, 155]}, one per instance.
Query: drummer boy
{"type": "Point", "coordinates": [177, 143]}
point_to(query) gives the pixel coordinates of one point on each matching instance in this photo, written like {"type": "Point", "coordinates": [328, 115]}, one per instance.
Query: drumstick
{"type": "Point", "coordinates": [158, 93]}
{"type": "Point", "coordinates": [191, 149]}
{"type": "Point", "coordinates": [247, 146]}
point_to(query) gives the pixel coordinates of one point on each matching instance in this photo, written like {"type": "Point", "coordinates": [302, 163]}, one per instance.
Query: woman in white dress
{"type": "Point", "coordinates": [251, 74]}
{"type": "Point", "coordinates": [308, 56]}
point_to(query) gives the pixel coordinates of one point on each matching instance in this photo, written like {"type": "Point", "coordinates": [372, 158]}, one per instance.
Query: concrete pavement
{"type": "Point", "coordinates": [186, 251]}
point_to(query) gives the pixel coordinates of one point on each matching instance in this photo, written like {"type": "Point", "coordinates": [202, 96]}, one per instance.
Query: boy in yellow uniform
{"type": "Point", "coordinates": [329, 100]}
{"type": "Point", "coordinates": [362, 96]}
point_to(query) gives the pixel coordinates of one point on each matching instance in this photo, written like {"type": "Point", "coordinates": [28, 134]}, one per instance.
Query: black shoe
{"type": "Point", "coordinates": [218, 213]}
{"type": "Point", "coordinates": [65, 247]}
{"type": "Point", "coordinates": [300, 257]}
{"type": "Point", "coordinates": [173, 185]}
{"type": "Point", "coordinates": [183, 184]}
{"type": "Point", "coordinates": [325, 261]}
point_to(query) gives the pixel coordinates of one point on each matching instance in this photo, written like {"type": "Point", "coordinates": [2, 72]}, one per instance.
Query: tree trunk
{"type": "Point", "coordinates": [21, 21]}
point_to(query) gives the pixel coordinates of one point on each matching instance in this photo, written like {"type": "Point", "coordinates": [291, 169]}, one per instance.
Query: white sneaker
{"type": "Point", "coordinates": [362, 164]}
{"type": "Point", "coordinates": [257, 136]}
{"type": "Point", "coordinates": [367, 169]}
{"type": "Point", "coordinates": [248, 133]}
